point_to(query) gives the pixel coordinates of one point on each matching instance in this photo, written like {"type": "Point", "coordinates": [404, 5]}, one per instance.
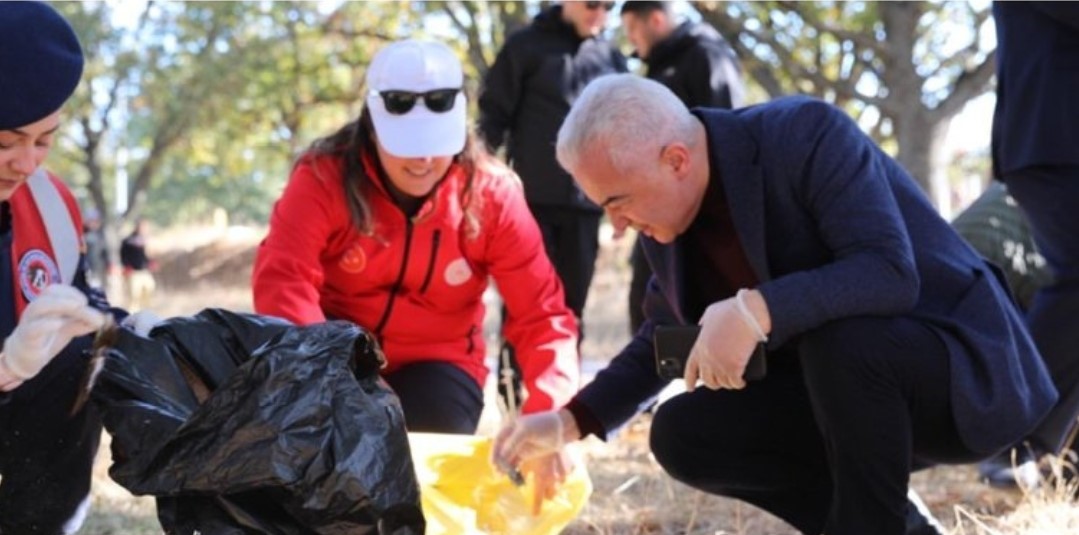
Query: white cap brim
{"type": "Point", "coordinates": [420, 133]}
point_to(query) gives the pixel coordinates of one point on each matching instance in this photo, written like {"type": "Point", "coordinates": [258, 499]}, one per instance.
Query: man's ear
{"type": "Point", "coordinates": [676, 156]}
{"type": "Point", "coordinates": [656, 20]}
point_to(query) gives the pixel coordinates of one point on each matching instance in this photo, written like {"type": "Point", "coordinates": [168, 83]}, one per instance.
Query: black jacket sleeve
{"type": "Point", "coordinates": [501, 94]}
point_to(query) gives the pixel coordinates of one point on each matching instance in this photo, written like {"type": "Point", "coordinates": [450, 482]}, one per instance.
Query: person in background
{"type": "Point", "coordinates": [97, 254]}
{"type": "Point", "coordinates": [1035, 135]}
{"type": "Point", "coordinates": [138, 267]}
{"type": "Point", "coordinates": [995, 226]}
{"type": "Point", "coordinates": [891, 344]}
{"type": "Point", "coordinates": [695, 63]}
{"type": "Point", "coordinates": [526, 93]}
{"type": "Point", "coordinates": [396, 222]}
{"type": "Point", "coordinates": [46, 305]}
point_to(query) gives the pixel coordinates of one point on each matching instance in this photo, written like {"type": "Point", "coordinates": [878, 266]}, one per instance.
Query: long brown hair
{"type": "Point", "coordinates": [355, 141]}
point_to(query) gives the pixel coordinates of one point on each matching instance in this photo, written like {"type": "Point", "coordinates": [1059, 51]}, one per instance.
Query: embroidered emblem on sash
{"type": "Point", "coordinates": [36, 271]}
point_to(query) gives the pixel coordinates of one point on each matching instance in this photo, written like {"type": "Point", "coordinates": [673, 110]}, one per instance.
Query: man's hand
{"type": "Point", "coordinates": [548, 473]}
{"type": "Point", "coordinates": [722, 351]}
{"type": "Point", "coordinates": [531, 436]}
{"type": "Point", "coordinates": [47, 325]}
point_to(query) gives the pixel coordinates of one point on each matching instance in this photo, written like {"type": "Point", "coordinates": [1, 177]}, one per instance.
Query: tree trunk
{"type": "Point", "coordinates": [921, 141]}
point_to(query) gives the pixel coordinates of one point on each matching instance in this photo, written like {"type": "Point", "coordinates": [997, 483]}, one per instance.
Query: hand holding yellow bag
{"type": "Point", "coordinates": [462, 493]}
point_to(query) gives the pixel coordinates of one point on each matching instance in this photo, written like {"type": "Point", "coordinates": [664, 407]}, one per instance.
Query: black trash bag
{"type": "Point", "coordinates": [240, 424]}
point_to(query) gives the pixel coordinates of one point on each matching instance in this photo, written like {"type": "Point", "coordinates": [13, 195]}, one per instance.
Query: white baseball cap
{"type": "Point", "coordinates": [416, 66]}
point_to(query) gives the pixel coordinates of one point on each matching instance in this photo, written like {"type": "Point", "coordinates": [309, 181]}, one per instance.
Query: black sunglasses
{"type": "Point", "coordinates": [592, 6]}
{"type": "Point", "coordinates": [401, 102]}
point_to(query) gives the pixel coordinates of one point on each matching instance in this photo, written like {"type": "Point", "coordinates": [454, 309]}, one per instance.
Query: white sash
{"type": "Point", "coordinates": [58, 224]}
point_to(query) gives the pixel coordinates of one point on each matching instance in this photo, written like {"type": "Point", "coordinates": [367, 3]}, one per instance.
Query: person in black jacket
{"type": "Point", "coordinates": [525, 96]}
{"type": "Point", "coordinates": [698, 66]}
{"type": "Point", "coordinates": [138, 267]}
{"type": "Point", "coordinates": [527, 92]}
{"type": "Point", "coordinates": [1035, 134]}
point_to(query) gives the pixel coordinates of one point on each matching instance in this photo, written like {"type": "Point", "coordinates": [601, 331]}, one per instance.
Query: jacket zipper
{"type": "Point", "coordinates": [471, 341]}
{"type": "Point", "coordinates": [397, 284]}
{"type": "Point", "coordinates": [431, 263]}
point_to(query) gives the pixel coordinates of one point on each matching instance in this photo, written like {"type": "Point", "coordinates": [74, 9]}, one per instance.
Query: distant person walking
{"type": "Point", "coordinates": [694, 61]}
{"type": "Point", "coordinates": [138, 268]}
{"type": "Point", "coordinates": [97, 253]}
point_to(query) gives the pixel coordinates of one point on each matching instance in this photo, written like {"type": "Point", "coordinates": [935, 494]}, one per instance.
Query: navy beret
{"type": "Point", "coordinates": [40, 62]}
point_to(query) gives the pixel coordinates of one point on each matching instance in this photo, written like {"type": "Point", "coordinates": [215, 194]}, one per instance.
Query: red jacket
{"type": "Point", "coordinates": [418, 284]}
{"type": "Point", "coordinates": [34, 262]}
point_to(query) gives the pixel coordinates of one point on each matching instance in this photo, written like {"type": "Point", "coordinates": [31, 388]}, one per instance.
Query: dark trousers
{"type": "Point", "coordinates": [1049, 197]}
{"type": "Point", "coordinates": [46, 453]}
{"type": "Point", "coordinates": [437, 397]}
{"type": "Point", "coordinates": [571, 239]}
{"type": "Point", "coordinates": [828, 439]}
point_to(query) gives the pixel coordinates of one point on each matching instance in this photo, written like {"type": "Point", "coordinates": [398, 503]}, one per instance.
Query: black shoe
{"type": "Point", "coordinates": [1000, 472]}
{"type": "Point", "coordinates": [920, 521]}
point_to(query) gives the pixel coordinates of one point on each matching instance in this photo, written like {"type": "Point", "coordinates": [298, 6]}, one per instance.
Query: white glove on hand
{"type": "Point", "coordinates": [527, 437]}
{"type": "Point", "coordinates": [141, 322]}
{"type": "Point", "coordinates": [47, 325]}
{"type": "Point", "coordinates": [547, 472]}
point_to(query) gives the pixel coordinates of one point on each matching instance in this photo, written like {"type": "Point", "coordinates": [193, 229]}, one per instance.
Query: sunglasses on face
{"type": "Point", "coordinates": [592, 6]}
{"type": "Point", "coordinates": [401, 102]}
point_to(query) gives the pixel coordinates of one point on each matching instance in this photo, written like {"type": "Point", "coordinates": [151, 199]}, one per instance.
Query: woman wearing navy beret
{"type": "Point", "coordinates": [46, 307]}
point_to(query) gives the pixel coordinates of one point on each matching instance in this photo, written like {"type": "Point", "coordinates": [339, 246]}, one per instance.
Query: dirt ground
{"type": "Point", "coordinates": [211, 268]}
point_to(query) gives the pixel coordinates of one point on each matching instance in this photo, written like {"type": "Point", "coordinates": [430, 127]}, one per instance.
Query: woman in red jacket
{"type": "Point", "coordinates": [395, 222]}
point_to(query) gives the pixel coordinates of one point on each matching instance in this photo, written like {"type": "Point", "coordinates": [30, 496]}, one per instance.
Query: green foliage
{"type": "Point", "coordinates": [203, 105]}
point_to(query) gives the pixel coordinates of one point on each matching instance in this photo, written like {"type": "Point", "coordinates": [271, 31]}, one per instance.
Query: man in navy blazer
{"type": "Point", "coordinates": [891, 344]}
{"type": "Point", "coordinates": [1036, 153]}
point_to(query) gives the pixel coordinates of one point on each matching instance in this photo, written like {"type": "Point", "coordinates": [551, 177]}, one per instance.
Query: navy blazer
{"type": "Point", "coordinates": [1036, 121]}
{"type": "Point", "coordinates": [834, 228]}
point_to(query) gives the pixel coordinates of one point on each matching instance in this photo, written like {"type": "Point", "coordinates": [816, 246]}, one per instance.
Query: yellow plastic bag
{"type": "Point", "coordinates": [463, 494]}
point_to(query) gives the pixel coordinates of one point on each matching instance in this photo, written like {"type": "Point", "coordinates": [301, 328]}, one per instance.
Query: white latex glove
{"type": "Point", "coordinates": [547, 473]}
{"type": "Point", "coordinates": [141, 322]}
{"type": "Point", "coordinates": [727, 340]}
{"type": "Point", "coordinates": [47, 325]}
{"type": "Point", "coordinates": [532, 435]}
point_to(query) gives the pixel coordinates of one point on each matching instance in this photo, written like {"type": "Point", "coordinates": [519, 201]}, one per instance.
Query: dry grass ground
{"type": "Point", "coordinates": [632, 495]}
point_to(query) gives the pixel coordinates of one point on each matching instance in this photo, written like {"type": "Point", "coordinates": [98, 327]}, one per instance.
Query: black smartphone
{"type": "Point", "coordinates": [674, 342]}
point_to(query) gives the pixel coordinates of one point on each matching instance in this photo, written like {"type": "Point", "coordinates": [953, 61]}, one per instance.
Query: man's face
{"type": "Point", "coordinates": [655, 201]}
{"type": "Point", "coordinates": [588, 18]}
{"type": "Point", "coordinates": [644, 31]}
{"type": "Point", "coordinates": [22, 150]}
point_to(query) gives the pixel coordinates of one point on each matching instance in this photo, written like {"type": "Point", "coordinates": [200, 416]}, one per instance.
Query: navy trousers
{"type": "Point", "coordinates": [827, 441]}
{"type": "Point", "coordinates": [1049, 196]}
{"type": "Point", "coordinates": [46, 452]}
{"type": "Point", "coordinates": [437, 397]}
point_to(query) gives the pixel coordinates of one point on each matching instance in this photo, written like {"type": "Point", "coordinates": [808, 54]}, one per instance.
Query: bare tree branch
{"type": "Point", "coordinates": [968, 85]}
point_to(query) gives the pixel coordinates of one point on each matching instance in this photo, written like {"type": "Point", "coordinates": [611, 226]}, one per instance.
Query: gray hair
{"type": "Point", "coordinates": [628, 117]}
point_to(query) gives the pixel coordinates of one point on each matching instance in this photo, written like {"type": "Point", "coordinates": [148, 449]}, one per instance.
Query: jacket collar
{"type": "Point", "coordinates": [734, 153]}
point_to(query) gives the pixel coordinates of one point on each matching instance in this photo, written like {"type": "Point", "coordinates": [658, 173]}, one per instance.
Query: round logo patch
{"type": "Point", "coordinates": [458, 272]}
{"type": "Point", "coordinates": [354, 260]}
{"type": "Point", "coordinates": [36, 271]}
